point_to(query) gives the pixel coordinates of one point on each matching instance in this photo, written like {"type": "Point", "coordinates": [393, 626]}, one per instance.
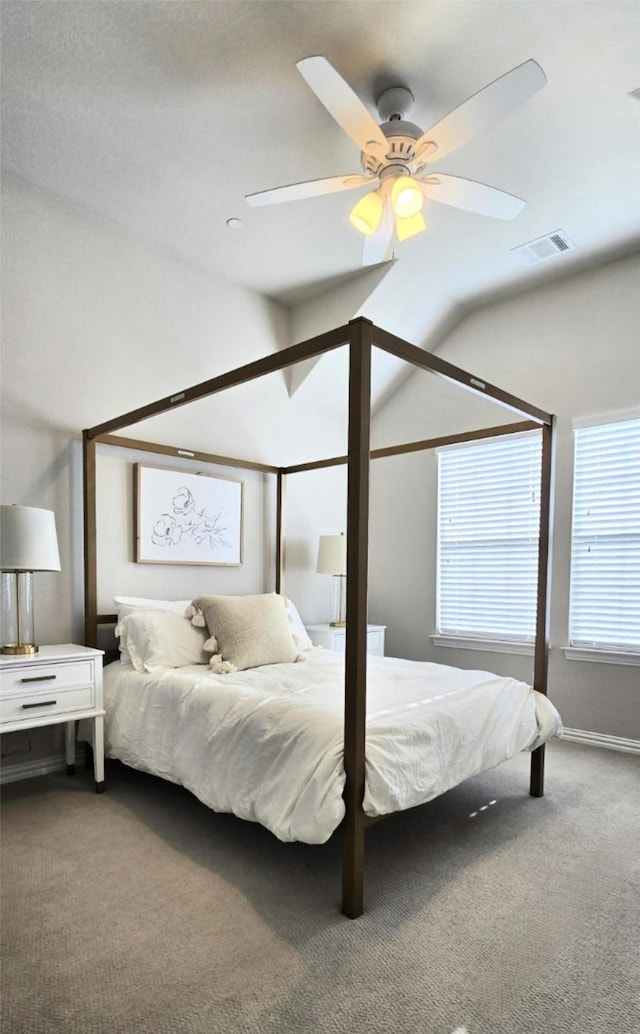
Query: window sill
{"type": "Point", "coordinates": [489, 645]}
{"type": "Point", "coordinates": [586, 653]}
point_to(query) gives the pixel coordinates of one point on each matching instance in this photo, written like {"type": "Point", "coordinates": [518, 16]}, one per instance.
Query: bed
{"type": "Point", "coordinates": [361, 783]}
{"type": "Point", "coordinates": [266, 744]}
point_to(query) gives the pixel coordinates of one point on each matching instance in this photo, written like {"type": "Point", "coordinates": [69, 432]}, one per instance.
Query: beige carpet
{"type": "Point", "coordinates": [142, 911]}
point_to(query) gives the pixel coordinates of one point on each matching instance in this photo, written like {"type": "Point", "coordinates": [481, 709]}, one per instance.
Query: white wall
{"type": "Point", "coordinates": [96, 323]}
{"type": "Point", "coordinates": [316, 505]}
{"type": "Point", "coordinates": [571, 349]}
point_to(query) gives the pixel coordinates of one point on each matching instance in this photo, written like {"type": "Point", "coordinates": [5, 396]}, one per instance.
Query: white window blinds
{"type": "Point", "coordinates": [605, 554]}
{"type": "Point", "coordinates": [488, 530]}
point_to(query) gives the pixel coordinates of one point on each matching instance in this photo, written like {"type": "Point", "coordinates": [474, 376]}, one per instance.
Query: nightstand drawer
{"type": "Point", "coordinates": [46, 676]}
{"type": "Point", "coordinates": [49, 700]}
{"type": "Point", "coordinates": [339, 641]}
{"type": "Point", "coordinates": [335, 638]}
{"type": "Point", "coordinates": [375, 641]}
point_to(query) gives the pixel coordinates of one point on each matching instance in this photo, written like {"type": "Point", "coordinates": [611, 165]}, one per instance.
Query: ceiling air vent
{"type": "Point", "coordinates": [544, 247]}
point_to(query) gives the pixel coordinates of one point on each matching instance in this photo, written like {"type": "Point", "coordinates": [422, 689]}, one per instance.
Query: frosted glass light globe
{"type": "Point", "coordinates": [406, 197]}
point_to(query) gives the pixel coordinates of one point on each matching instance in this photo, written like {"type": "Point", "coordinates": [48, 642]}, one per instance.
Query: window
{"type": "Point", "coordinates": [605, 552]}
{"type": "Point", "coordinates": [488, 531]}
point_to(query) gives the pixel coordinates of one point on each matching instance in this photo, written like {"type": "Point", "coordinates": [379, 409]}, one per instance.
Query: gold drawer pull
{"type": "Point", "coordinates": [41, 703]}
{"type": "Point", "coordinates": [40, 678]}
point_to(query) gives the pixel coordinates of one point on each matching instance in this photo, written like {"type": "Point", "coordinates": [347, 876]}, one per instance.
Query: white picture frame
{"type": "Point", "coordinates": [185, 517]}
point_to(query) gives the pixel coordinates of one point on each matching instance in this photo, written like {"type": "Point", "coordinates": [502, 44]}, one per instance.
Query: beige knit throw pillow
{"type": "Point", "coordinates": [250, 630]}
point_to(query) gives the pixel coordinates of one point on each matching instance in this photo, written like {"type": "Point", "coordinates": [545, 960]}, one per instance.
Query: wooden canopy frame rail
{"type": "Point", "coordinates": [361, 336]}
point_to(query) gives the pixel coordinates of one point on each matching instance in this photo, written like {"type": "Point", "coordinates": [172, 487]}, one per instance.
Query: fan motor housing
{"type": "Point", "coordinates": [401, 136]}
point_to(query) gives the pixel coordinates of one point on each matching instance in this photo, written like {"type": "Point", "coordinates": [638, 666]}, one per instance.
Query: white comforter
{"type": "Point", "coordinates": [266, 744]}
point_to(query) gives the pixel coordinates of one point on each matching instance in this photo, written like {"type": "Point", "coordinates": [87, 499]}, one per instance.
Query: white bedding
{"type": "Point", "coordinates": [266, 744]}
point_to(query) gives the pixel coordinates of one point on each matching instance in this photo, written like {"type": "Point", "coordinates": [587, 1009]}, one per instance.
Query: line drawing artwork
{"type": "Point", "coordinates": [185, 518]}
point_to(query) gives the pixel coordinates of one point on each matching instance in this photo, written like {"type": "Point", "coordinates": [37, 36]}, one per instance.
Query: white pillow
{"type": "Point", "coordinates": [140, 603]}
{"type": "Point", "coordinates": [130, 604]}
{"type": "Point", "coordinates": [158, 639]}
{"type": "Point", "coordinates": [298, 631]}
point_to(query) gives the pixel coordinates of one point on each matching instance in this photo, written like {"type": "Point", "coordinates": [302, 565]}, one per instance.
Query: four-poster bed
{"type": "Point", "coordinates": [361, 337]}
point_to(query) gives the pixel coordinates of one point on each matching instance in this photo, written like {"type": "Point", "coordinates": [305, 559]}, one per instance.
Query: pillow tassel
{"type": "Point", "coordinates": [221, 667]}
{"type": "Point", "coordinates": [196, 615]}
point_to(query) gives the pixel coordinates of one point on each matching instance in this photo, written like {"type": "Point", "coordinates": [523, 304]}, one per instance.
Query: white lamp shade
{"type": "Point", "coordinates": [28, 540]}
{"type": "Point", "coordinates": [332, 555]}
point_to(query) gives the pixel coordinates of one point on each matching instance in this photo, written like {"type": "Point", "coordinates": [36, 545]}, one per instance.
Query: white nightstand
{"type": "Point", "coordinates": [56, 684]}
{"type": "Point", "coordinates": [335, 638]}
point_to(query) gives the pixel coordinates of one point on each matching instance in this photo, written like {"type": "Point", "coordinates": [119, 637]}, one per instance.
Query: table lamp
{"type": "Point", "coordinates": [332, 559]}
{"type": "Point", "coordinates": [28, 543]}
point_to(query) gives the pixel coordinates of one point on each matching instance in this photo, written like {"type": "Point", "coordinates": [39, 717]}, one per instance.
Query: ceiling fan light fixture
{"type": "Point", "coordinates": [406, 228]}
{"type": "Point", "coordinates": [406, 197]}
{"type": "Point", "coordinates": [395, 155]}
{"type": "Point", "coordinates": [367, 214]}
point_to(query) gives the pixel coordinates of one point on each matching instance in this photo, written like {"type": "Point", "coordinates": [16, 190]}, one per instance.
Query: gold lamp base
{"type": "Point", "coordinates": [19, 648]}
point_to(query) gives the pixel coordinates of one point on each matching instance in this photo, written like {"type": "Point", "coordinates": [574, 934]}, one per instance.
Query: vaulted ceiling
{"type": "Point", "coordinates": [163, 116]}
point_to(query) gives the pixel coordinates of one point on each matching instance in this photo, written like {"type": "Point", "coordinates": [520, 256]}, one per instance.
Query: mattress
{"type": "Point", "coordinates": [267, 744]}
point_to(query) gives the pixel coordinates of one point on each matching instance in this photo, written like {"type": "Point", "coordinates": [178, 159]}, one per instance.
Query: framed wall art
{"type": "Point", "coordinates": [187, 518]}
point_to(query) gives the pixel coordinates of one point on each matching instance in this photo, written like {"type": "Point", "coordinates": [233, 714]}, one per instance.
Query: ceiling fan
{"type": "Point", "coordinates": [396, 154]}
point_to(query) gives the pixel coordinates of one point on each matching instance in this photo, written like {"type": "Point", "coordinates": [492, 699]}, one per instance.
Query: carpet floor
{"type": "Point", "coordinates": [487, 911]}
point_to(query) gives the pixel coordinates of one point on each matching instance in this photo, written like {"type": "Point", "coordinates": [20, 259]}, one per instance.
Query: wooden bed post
{"type": "Point", "coordinates": [90, 541]}
{"type": "Point", "coordinates": [281, 495]}
{"type": "Point", "coordinates": [541, 654]}
{"type": "Point", "coordinates": [355, 699]}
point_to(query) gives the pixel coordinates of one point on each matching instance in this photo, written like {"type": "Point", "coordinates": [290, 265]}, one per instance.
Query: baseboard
{"type": "Point", "coordinates": [600, 739]}
{"type": "Point", "coordinates": [38, 767]}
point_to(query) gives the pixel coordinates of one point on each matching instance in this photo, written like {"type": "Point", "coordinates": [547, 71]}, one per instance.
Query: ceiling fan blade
{"type": "Point", "coordinates": [310, 188]}
{"type": "Point", "coordinates": [343, 104]}
{"type": "Point", "coordinates": [376, 247]}
{"type": "Point", "coordinates": [472, 196]}
{"type": "Point", "coordinates": [480, 111]}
